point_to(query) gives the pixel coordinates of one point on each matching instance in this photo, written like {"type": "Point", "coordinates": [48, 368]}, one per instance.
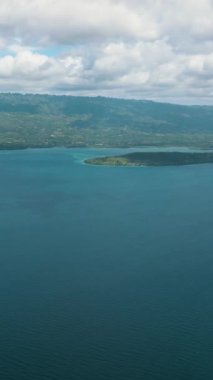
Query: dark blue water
{"type": "Point", "coordinates": [105, 273]}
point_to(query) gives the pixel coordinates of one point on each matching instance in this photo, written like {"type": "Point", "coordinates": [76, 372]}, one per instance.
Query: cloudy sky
{"type": "Point", "coordinates": [148, 49]}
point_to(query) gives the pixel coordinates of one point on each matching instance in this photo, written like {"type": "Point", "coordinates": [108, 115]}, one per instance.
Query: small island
{"type": "Point", "coordinates": [154, 159]}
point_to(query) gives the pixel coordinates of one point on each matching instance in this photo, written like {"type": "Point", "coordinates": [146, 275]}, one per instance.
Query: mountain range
{"type": "Point", "coordinates": [47, 121]}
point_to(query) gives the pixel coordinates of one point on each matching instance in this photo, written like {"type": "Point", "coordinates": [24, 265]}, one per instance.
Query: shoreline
{"type": "Point", "coordinates": [145, 147]}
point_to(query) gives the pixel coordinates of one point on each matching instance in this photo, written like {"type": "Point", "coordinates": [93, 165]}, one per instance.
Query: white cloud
{"type": "Point", "coordinates": [160, 49]}
{"type": "Point", "coordinates": [69, 21]}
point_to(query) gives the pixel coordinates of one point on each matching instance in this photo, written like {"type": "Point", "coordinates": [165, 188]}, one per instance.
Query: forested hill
{"type": "Point", "coordinates": [44, 120]}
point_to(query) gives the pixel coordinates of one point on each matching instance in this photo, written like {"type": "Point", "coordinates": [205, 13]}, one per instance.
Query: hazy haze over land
{"type": "Point", "coordinates": [160, 50]}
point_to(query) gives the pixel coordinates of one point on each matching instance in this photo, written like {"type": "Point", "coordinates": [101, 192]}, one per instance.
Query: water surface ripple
{"type": "Point", "coordinates": [105, 273]}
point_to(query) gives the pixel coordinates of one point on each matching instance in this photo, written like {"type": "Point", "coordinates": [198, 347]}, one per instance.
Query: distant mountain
{"type": "Point", "coordinates": [44, 120]}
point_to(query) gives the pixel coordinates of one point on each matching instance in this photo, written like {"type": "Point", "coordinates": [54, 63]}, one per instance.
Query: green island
{"type": "Point", "coordinates": [154, 159]}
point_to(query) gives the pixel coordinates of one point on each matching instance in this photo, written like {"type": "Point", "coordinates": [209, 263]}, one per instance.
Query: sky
{"type": "Point", "coordinates": [144, 49]}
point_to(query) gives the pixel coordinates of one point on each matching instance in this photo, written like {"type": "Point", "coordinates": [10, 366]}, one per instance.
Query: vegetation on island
{"type": "Point", "coordinates": [55, 121]}
{"type": "Point", "coordinates": [153, 159]}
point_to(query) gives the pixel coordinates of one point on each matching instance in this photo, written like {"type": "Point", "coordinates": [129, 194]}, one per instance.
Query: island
{"type": "Point", "coordinates": [154, 159]}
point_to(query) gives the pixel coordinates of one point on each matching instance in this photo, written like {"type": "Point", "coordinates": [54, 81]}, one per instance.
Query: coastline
{"type": "Point", "coordinates": [147, 159]}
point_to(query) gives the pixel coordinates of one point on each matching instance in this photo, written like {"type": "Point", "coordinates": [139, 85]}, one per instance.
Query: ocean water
{"type": "Point", "coordinates": [105, 273]}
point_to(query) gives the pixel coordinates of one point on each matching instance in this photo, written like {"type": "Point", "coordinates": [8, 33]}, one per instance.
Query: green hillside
{"type": "Point", "coordinates": [45, 121]}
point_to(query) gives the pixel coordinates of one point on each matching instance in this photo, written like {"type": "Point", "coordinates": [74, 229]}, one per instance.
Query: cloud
{"type": "Point", "coordinates": [67, 22]}
{"type": "Point", "coordinates": [158, 49]}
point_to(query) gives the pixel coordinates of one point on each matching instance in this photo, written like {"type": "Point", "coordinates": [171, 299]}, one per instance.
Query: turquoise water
{"type": "Point", "coordinates": [105, 273]}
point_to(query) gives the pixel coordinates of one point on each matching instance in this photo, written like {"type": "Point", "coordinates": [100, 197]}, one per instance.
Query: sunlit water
{"type": "Point", "coordinates": [105, 273]}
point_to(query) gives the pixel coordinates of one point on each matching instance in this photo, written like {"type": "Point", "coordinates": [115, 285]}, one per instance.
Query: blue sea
{"type": "Point", "coordinates": [105, 272]}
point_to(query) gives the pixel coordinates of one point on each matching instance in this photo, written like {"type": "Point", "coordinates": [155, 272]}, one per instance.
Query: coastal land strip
{"type": "Point", "coordinates": [154, 159]}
